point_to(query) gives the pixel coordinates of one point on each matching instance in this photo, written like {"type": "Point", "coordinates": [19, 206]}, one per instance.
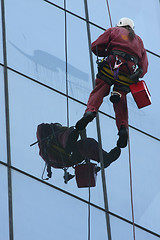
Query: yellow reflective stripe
{"type": "Point", "coordinates": [108, 75]}
{"type": "Point", "coordinates": [121, 77]}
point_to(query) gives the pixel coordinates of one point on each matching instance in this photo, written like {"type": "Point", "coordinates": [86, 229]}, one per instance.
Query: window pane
{"type": "Point", "coordinates": [42, 212]}
{"type": "Point", "coordinates": [36, 51]}
{"type": "Point", "coordinates": [1, 41]}
{"type": "Point", "coordinates": [79, 74]}
{"type": "Point", "coordinates": [145, 153]}
{"type": "Point", "coordinates": [76, 7]}
{"type": "Point", "coordinates": [98, 224]}
{"type": "Point", "coordinates": [98, 13]}
{"type": "Point", "coordinates": [3, 150]}
{"type": "Point", "coordinates": [140, 234]}
{"type": "Point", "coordinates": [117, 174]}
{"type": "Point", "coordinates": [31, 105]}
{"type": "Point", "coordinates": [147, 118]}
{"type": "Point", "coordinates": [57, 2]}
{"type": "Point", "coordinates": [4, 226]}
{"type": "Point", "coordinates": [120, 229]}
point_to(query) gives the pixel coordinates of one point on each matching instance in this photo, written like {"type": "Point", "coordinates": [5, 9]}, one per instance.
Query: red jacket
{"type": "Point", "coordinates": [116, 38]}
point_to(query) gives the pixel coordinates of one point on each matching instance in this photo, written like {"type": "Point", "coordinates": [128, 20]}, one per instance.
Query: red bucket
{"type": "Point", "coordinates": [140, 94]}
{"type": "Point", "coordinates": [86, 175]}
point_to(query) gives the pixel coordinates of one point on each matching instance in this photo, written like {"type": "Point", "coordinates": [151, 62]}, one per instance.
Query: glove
{"type": "Point", "coordinates": [135, 76]}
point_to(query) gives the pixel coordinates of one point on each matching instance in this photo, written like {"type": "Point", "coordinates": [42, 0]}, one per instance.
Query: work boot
{"type": "Point", "coordinates": [87, 117]}
{"type": "Point", "coordinates": [110, 157]}
{"type": "Point", "coordinates": [115, 97]}
{"type": "Point", "coordinates": [123, 137]}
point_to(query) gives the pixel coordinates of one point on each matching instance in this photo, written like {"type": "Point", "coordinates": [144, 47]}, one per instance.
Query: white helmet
{"type": "Point", "coordinates": [125, 22]}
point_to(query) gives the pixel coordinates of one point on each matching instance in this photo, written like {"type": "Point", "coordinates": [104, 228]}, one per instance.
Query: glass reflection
{"type": "Point", "coordinates": [3, 147]}
{"type": "Point", "coordinates": [33, 51]}
{"type": "Point", "coordinates": [145, 170]}
{"type": "Point", "coordinates": [40, 212]}
{"type": "Point", "coordinates": [4, 226]}
{"type": "Point", "coordinates": [98, 13]}
{"type": "Point", "coordinates": [76, 7]}
{"type": "Point", "coordinates": [79, 75]}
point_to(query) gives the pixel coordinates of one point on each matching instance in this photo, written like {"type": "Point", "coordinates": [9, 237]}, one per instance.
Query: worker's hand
{"type": "Point", "coordinates": [135, 76]}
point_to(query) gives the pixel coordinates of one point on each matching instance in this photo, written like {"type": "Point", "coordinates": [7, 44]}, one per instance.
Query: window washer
{"type": "Point", "coordinates": [124, 62]}
{"type": "Point", "coordinates": [59, 147]}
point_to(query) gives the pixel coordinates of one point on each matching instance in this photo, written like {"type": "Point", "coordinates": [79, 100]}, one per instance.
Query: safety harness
{"type": "Point", "coordinates": [109, 68]}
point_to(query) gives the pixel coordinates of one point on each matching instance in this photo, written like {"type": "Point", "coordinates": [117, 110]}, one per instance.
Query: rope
{"type": "Point", "coordinates": [131, 189]}
{"type": "Point", "coordinates": [109, 13]}
{"type": "Point", "coordinates": [129, 151]}
{"type": "Point", "coordinates": [89, 212]}
{"type": "Point", "coordinates": [66, 55]}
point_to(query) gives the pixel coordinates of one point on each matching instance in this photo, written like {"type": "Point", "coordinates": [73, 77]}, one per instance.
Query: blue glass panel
{"type": "Point", "coordinates": [147, 118]}
{"type": "Point", "coordinates": [145, 153]}
{"type": "Point", "coordinates": [98, 13]}
{"type": "Point", "coordinates": [117, 174]}
{"type": "Point", "coordinates": [30, 105]}
{"type": "Point", "coordinates": [98, 224]}
{"type": "Point", "coordinates": [36, 51]}
{"type": "Point", "coordinates": [3, 150]}
{"type": "Point", "coordinates": [140, 234]}
{"type": "Point", "coordinates": [42, 212]}
{"type": "Point", "coordinates": [79, 74]}
{"type": "Point", "coordinates": [4, 226]}
{"type": "Point", "coordinates": [76, 7]}
{"type": "Point", "coordinates": [120, 229]}
{"type": "Point", "coordinates": [57, 2]}
{"type": "Point", "coordinates": [1, 41]}
{"type": "Point", "coordinates": [147, 25]}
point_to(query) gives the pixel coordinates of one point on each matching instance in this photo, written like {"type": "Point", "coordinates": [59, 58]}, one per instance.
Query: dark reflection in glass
{"type": "Point", "coordinates": [60, 148]}
{"type": "Point", "coordinates": [52, 63]}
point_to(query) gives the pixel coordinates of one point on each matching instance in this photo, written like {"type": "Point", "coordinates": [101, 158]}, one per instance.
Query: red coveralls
{"type": "Point", "coordinates": [116, 38]}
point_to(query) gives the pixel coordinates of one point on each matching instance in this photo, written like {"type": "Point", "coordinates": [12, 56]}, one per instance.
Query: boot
{"type": "Point", "coordinates": [87, 117]}
{"type": "Point", "coordinates": [115, 97]}
{"type": "Point", "coordinates": [110, 157]}
{"type": "Point", "coordinates": [123, 137]}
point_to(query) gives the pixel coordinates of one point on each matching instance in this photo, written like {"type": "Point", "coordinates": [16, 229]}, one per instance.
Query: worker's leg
{"type": "Point", "coordinates": [121, 114]}
{"type": "Point", "coordinates": [96, 97]}
{"type": "Point", "coordinates": [88, 148]}
{"type": "Point", "coordinates": [94, 102]}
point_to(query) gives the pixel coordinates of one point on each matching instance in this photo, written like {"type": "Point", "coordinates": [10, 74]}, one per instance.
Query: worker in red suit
{"type": "Point", "coordinates": [124, 62]}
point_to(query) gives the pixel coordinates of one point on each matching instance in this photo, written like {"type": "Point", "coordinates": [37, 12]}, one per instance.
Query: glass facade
{"type": "Point", "coordinates": [46, 76]}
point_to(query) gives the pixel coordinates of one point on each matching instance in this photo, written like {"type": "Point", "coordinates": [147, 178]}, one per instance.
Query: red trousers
{"type": "Point", "coordinates": [95, 100]}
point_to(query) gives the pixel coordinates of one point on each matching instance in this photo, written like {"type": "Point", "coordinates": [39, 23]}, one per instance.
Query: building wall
{"type": "Point", "coordinates": [46, 76]}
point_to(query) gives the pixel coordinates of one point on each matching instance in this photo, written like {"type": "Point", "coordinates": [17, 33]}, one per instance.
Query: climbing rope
{"type": "Point", "coordinates": [66, 56]}
{"type": "Point", "coordinates": [109, 13]}
{"type": "Point", "coordinates": [131, 188]}
{"type": "Point", "coordinates": [129, 152]}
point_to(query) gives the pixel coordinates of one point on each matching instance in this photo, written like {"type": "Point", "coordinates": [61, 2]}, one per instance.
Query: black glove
{"type": "Point", "coordinates": [135, 76]}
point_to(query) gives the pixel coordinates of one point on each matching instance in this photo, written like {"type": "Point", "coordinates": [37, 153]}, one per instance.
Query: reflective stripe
{"type": "Point", "coordinates": [122, 78]}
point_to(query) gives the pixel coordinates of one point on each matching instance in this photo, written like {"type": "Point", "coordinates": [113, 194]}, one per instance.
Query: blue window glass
{"type": "Point", "coordinates": [4, 219]}
{"type": "Point", "coordinates": [39, 51]}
